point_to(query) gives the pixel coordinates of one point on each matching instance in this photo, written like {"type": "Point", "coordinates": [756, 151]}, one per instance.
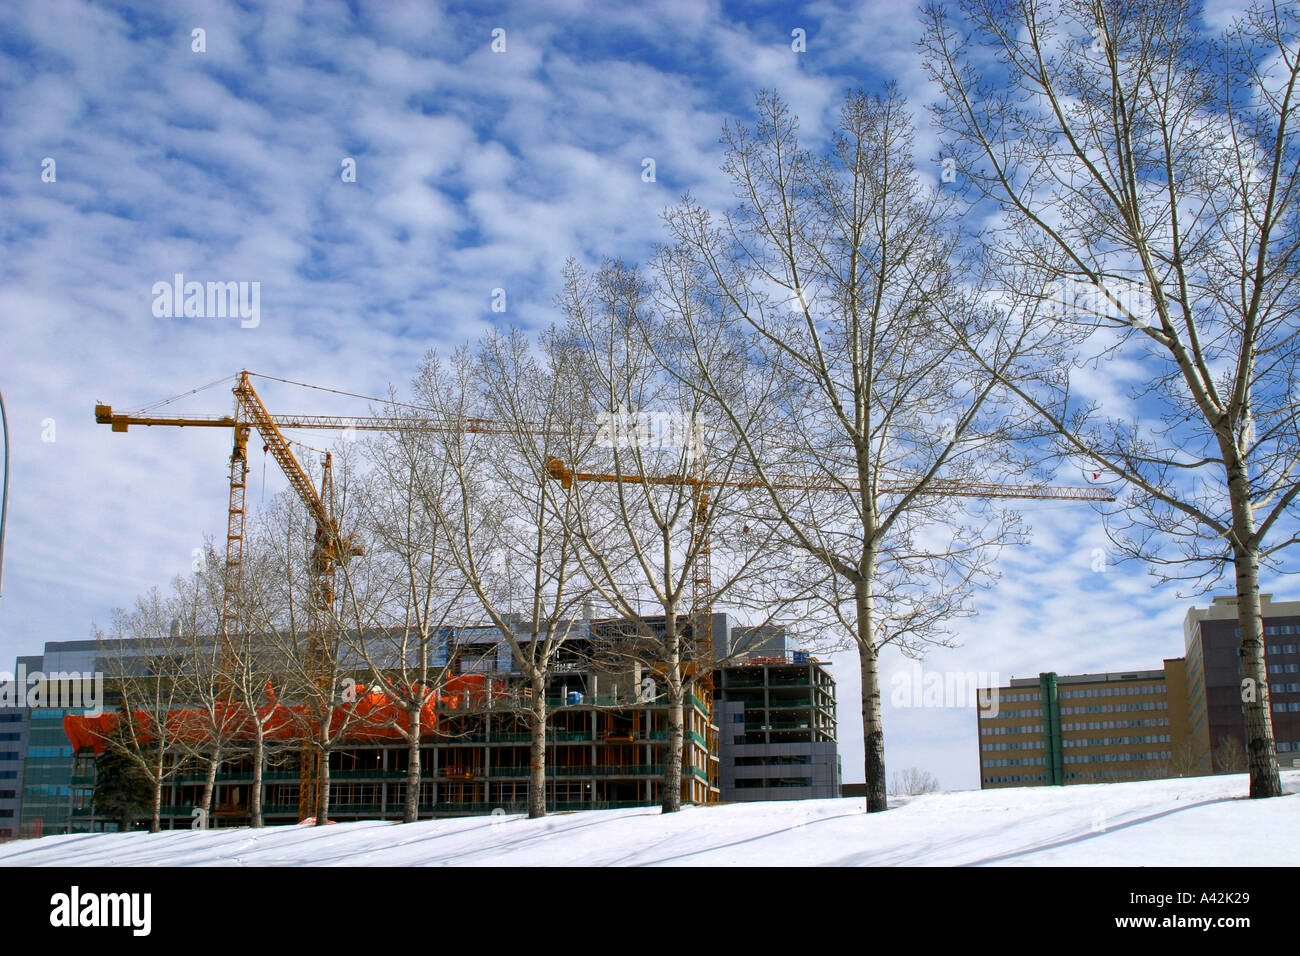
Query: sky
{"type": "Point", "coordinates": [133, 150]}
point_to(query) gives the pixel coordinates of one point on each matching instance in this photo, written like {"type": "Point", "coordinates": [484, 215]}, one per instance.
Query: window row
{"type": "Point", "coordinates": [1117, 724]}
{"type": "Point", "coordinates": [1117, 741]}
{"type": "Point", "coordinates": [1119, 758]}
{"type": "Point", "coordinates": [1116, 708]}
{"type": "Point", "coordinates": [1125, 691]}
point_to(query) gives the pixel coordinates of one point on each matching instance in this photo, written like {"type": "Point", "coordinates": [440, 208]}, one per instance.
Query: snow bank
{"type": "Point", "coordinates": [1203, 821]}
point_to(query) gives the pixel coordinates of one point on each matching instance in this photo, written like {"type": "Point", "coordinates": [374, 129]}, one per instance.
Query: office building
{"type": "Point", "coordinates": [1215, 689]}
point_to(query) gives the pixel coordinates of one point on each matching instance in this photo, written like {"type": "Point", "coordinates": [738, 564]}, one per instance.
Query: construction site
{"type": "Point", "coordinates": [758, 710]}
{"type": "Point", "coordinates": [606, 741]}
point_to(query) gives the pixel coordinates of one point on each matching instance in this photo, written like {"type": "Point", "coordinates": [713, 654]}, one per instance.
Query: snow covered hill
{"type": "Point", "coordinates": [1200, 821]}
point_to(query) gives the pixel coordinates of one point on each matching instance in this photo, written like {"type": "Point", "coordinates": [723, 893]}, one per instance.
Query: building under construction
{"type": "Point", "coordinates": [606, 742]}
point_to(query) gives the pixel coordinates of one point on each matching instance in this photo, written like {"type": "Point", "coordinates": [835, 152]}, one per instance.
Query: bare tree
{"type": "Point", "coordinates": [255, 673]}
{"type": "Point", "coordinates": [1229, 756]}
{"type": "Point", "coordinates": [306, 629]}
{"type": "Point", "coordinates": [402, 634]}
{"type": "Point", "coordinates": [212, 728]}
{"type": "Point", "coordinates": [1183, 761]}
{"type": "Point", "coordinates": [506, 526]}
{"type": "Point", "coordinates": [829, 292]}
{"type": "Point", "coordinates": [145, 665]}
{"type": "Point", "coordinates": [1154, 168]}
{"type": "Point", "coordinates": [913, 782]}
{"type": "Point", "coordinates": [657, 488]}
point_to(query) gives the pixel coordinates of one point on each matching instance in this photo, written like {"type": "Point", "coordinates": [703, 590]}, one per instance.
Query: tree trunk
{"type": "Point", "coordinates": [1261, 753]}
{"type": "Point", "coordinates": [255, 797]}
{"type": "Point", "coordinates": [537, 755]}
{"type": "Point", "coordinates": [672, 795]}
{"type": "Point", "coordinates": [322, 785]}
{"type": "Point", "coordinates": [411, 805]}
{"type": "Point", "coordinates": [873, 733]}
{"type": "Point", "coordinates": [210, 783]}
{"type": "Point", "coordinates": [155, 820]}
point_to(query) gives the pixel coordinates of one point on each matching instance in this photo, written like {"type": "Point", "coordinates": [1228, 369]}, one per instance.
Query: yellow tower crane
{"type": "Point", "coordinates": [330, 547]}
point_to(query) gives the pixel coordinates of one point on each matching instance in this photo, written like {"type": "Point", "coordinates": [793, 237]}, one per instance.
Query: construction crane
{"type": "Point", "coordinates": [702, 607]}
{"type": "Point", "coordinates": [330, 547]}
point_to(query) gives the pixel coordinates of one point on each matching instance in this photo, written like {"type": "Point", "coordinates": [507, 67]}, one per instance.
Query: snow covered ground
{"type": "Point", "coordinates": [1200, 821]}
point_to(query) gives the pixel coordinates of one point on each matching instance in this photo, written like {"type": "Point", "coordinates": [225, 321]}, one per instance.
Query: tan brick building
{"type": "Point", "coordinates": [1085, 728]}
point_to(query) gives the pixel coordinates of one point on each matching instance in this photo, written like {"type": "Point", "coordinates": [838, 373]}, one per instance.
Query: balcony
{"type": "Point", "coordinates": [376, 774]}
{"type": "Point", "coordinates": [595, 770]}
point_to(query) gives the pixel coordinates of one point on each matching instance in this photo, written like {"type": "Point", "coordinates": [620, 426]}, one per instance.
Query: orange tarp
{"type": "Point", "coordinates": [373, 715]}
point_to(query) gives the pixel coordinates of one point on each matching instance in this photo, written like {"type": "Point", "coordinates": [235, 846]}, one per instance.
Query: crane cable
{"type": "Point", "coordinates": [335, 391]}
{"type": "Point", "coordinates": [193, 391]}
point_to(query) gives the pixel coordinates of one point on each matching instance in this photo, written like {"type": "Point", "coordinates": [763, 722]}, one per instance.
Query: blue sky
{"type": "Point", "coordinates": [475, 171]}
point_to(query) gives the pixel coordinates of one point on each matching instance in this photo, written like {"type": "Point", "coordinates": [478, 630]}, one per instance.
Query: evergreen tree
{"type": "Point", "coordinates": [121, 789]}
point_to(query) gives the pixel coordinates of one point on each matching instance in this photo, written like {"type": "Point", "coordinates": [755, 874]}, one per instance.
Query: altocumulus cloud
{"type": "Point", "coordinates": [378, 170]}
